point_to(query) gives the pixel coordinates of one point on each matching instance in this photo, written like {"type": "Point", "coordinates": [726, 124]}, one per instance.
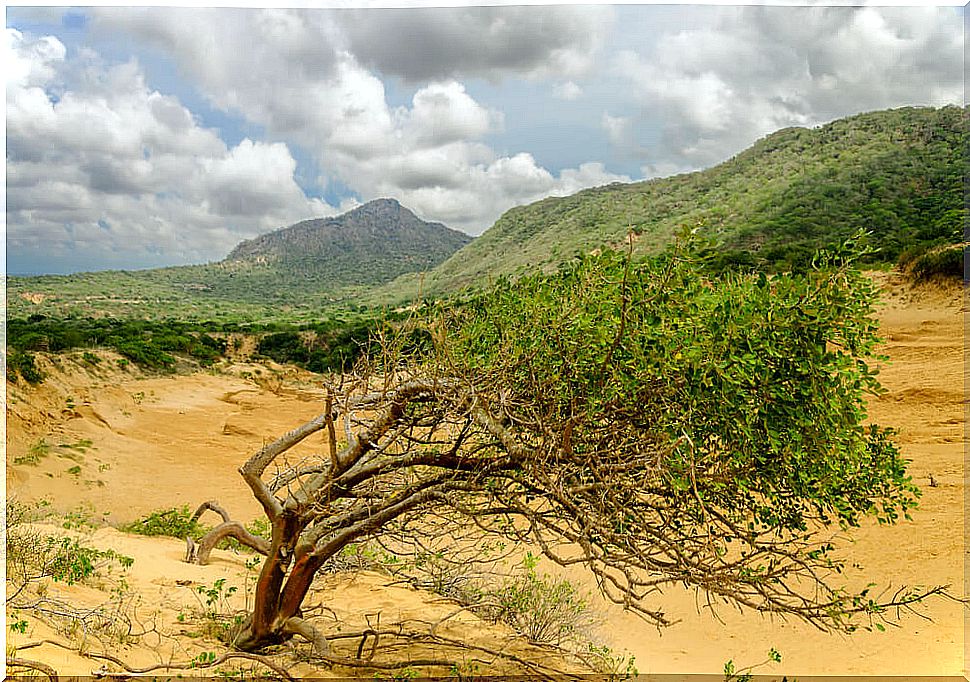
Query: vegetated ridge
{"type": "Point", "coordinates": [292, 273]}
{"type": "Point", "coordinates": [374, 242]}
{"type": "Point", "coordinates": [898, 173]}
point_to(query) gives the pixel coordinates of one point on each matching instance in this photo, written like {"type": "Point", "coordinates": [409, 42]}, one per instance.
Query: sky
{"type": "Point", "coordinates": [152, 136]}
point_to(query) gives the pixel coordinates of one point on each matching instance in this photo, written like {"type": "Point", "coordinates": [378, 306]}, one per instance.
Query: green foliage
{"type": "Point", "coordinates": [927, 262]}
{"type": "Point", "coordinates": [323, 347]}
{"type": "Point", "coordinates": [176, 522]}
{"type": "Point", "coordinates": [763, 378]}
{"type": "Point", "coordinates": [733, 674]}
{"type": "Point", "coordinates": [80, 518]}
{"type": "Point", "coordinates": [32, 555]}
{"type": "Point", "coordinates": [21, 364]}
{"type": "Point", "coordinates": [148, 344]}
{"type": "Point", "coordinates": [35, 453]}
{"type": "Point", "coordinates": [216, 615]}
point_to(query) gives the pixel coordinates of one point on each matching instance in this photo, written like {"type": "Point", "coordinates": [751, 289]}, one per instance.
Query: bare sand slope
{"type": "Point", "coordinates": [125, 444]}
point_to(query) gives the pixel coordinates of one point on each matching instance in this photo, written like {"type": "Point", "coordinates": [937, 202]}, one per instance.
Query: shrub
{"type": "Point", "coordinates": [35, 453]}
{"type": "Point", "coordinates": [22, 363]}
{"type": "Point", "coordinates": [546, 609]}
{"type": "Point", "coordinates": [944, 262]}
{"type": "Point", "coordinates": [176, 522]}
{"type": "Point", "coordinates": [33, 555]}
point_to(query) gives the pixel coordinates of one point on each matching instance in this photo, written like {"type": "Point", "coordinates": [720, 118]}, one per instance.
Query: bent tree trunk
{"type": "Point", "coordinates": [317, 510]}
{"type": "Point", "coordinates": [671, 429]}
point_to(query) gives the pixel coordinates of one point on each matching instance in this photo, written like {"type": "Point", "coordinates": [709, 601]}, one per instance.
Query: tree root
{"type": "Point", "coordinates": [14, 662]}
{"type": "Point", "coordinates": [129, 671]}
{"type": "Point", "coordinates": [418, 637]}
{"type": "Point", "coordinates": [298, 626]}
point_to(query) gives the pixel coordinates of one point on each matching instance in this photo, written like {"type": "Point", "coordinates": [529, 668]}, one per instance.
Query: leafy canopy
{"type": "Point", "coordinates": [650, 414]}
{"type": "Point", "coordinates": [751, 388]}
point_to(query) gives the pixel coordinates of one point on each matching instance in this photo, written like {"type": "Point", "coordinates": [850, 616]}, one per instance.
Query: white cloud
{"type": "Point", "coordinates": [442, 113]}
{"type": "Point", "coordinates": [618, 129]}
{"type": "Point", "coordinates": [752, 70]}
{"type": "Point", "coordinates": [430, 154]}
{"type": "Point", "coordinates": [567, 91]}
{"type": "Point", "coordinates": [109, 161]}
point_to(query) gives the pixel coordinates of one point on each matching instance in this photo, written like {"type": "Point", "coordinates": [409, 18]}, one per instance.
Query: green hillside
{"type": "Point", "coordinates": [897, 173]}
{"type": "Point", "coordinates": [292, 273]}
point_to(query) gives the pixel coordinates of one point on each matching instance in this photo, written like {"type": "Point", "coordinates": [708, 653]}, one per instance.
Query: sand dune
{"type": "Point", "coordinates": [124, 444]}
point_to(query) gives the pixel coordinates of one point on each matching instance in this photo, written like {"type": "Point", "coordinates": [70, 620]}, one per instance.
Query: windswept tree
{"type": "Point", "coordinates": [655, 423]}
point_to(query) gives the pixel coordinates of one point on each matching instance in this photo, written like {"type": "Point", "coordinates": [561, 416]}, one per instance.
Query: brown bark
{"type": "Point", "coordinates": [14, 662]}
{"type": "Point", "coordinates": [199, 553]}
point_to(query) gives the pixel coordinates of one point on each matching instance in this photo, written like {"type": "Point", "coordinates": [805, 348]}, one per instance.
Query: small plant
{"type": "Point", "coordinates": [123, 363]}
{"type": "Point", "coordinates": [74, 470]}
{"type": "Point", "coordinates": [32, 556]}
{"type": "Point", "coordinates": [216, 614]}
{"type": "Point", "coordinates": [37, 452]}
{"type": "Point", "coordinates": [205, 658]}
{"type": "Point", "coordinates": [81, 517]}
{"type": "Point", "coordinates": [81, 445]}
{"type": "Point", "coordinates": [603, 659]}
{"type": "Point", "coordinates": [176, 522]}
{"type": "Point", "coordinates": [90, 357]}
{"type": "Point", "coordinates": [543, 608]}
{"type": "Point", "coordinates": [733, 674]}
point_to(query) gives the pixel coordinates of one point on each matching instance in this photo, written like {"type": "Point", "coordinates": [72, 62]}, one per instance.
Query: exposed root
{"type": "Point", "coordinates": [298, 626]}
{"type": "Point", "coordinates": [211, 505]}
{"type": "Point", "coordinates": [129, 671]}
{"type": "Point", "coordinates": [14, 662]}
{"type": "Point", "coordinates": [409, 638]}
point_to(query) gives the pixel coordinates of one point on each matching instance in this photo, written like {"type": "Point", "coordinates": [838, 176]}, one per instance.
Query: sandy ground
{"type": "Point", "coordinates": [119, 444]}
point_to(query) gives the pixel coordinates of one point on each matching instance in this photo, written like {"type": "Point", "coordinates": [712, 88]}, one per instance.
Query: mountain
{"type": "Point", "coordinates": [898, 173]}
{"type": "Point", "coordinates": [295, 273]}
{"type": "Point", "coordinates": [372, 243]}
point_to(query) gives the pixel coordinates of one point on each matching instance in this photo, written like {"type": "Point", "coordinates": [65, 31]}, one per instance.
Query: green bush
{"type": "Point", "coordinates": [176, 522]}
{"type": "Point", "coordinates": [32, 555]}
{"type": "Point", "coordinates": [941, 262]}
{"type": "Point", "coordinates": [544, 608]}
{"type": "Point", "coordinates": [22, 364]}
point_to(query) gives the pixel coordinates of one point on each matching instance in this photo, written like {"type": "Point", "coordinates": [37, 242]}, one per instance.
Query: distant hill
{"type": "Point", "coordinates": [898, 173]}
{"type": "Point", "coordinates": [294, 272]}
{"type": "Point", "coordinates": [372, 243]}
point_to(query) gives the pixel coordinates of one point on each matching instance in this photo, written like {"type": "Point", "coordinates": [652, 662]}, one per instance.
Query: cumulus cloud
{"type": "Point", "coordinates": [567, 91]}
{"type": "Point", "coordinates": [752, 70]}
{"type": "Point", "coordinates": [429, 154]}
{"type": "Point", "coordinates": [618, 129]}
{"type": "Point", "coordinates": [412, 104]}
{"type": "Point", "coordinates": [420, 44]}
{"type": "Point", "coordinates": [102, 160]}
{"type": "Point", "coordinates": [442, 113]}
